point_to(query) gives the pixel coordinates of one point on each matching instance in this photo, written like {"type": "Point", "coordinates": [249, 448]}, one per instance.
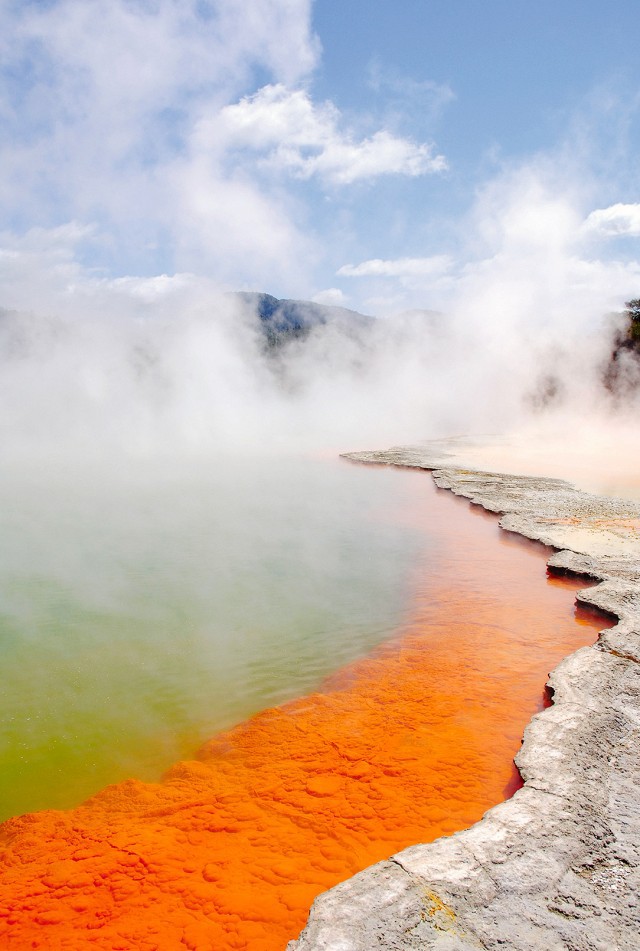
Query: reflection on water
{"type": "Point", "coordinates": [139, 615]}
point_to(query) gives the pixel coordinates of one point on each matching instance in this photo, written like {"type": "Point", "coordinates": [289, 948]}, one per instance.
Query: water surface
{"type": "Point", "coordinates": [142, 610]}
{"type": "Point", "coordinates": [411, 741]}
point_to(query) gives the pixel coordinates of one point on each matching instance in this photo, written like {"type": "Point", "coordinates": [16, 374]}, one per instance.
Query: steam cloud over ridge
{"type": "Point", "coordinates": [172, 367]}
{"type": "Point", "coordinates": [159, 155]}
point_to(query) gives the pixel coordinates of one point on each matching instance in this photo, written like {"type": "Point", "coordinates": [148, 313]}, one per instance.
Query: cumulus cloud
{"type": "Point", "coordinates": [126, 58]}
{"type": "Point", "coordinates": [297, 135]}
{"type": "Point", "coordinates": [41, 273]}
{"type": "Point", "coordinates": [618, 219]}
{"type": "Point", "coordinates": [143, 120]}
{"type": "Point", "coordinates": [99, 103]}
{"type": "Point", "coordinates": [400, 267]}
{"type": "Point", "coordinates": [332, 296]}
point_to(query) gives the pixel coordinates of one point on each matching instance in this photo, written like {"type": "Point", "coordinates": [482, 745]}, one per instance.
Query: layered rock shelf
{"type": "Point", "coordinates": [557, 866]}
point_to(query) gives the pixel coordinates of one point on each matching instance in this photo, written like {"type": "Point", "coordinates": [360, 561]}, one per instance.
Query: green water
{"type": "Point", "coordinates": [142, 612]}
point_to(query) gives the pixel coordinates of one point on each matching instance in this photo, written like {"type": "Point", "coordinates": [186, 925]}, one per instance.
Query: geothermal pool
{"type": "Point", "coordinates": [144, 608]}
{"type": "Point", "coordinates": [452, 627]}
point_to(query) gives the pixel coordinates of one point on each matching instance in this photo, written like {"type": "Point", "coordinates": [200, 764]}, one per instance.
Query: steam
{"type": "Point", "coordinates": [173, 366]}
{"type": "Point", "coordinates": [191, 168]}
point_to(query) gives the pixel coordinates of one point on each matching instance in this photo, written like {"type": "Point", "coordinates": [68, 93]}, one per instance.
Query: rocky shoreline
{"type": "Point", "coordinates": [557, 866]}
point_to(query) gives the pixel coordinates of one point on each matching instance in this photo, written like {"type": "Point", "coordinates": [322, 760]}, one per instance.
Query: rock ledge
{"type": "Point", "coordinates": [556, 867]}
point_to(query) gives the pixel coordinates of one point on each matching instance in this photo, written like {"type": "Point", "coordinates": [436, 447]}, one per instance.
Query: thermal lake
{"type": "Point", "coordinates": [144, 608]}
{"type": "Point", "coordinates": [177, 619]}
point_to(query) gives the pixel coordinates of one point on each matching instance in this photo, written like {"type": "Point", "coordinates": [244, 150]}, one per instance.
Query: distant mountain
{"type": "Point", "coordinates": [285, 320]}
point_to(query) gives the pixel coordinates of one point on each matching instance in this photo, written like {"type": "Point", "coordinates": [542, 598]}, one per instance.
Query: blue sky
{"type": "Point", "coordinates": [384, 156]}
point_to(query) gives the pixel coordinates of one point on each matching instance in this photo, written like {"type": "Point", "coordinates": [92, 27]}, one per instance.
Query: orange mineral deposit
{"type": "Point", "coordinates": [412, 742]}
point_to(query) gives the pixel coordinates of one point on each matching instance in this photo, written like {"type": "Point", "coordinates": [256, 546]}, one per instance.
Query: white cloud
{"type": "Point", "coordinates": [400, 267]}
{"type": "Point", "coordinates": [421, 100]}
{"type": "Point", "coordinates": [618, 219]}
{"type": "Point", "coordinates": [152, 56]}
{"type": "Point", "coordinates": [40, 273]}
{"type": "Point", "coordinates": [149, 290]}
{"type": "Point", "coordinates": [306, 138]}
{"type": "Point", "coordinates": [530, 285]}
{"type": "Point", "coordinates": [99, 102]}
{"type": "Point", "coordinates": [332, 296]}
{"type": "Point", "coordinates": [226, 224]}
{"type": "Point", "coordinates": [127, 115]}
{"type": "Point", "coordinates": [519, 275]}
{"type": "Point", "coordinates": [344, 162]}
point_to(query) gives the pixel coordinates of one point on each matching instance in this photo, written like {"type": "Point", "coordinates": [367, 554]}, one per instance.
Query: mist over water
{"type": "Point", "coordinates": [140, 615]}
{"type": "Point", "coordinates": [118, 380]}
{"type": "Point", "coordinates": [180, 547]}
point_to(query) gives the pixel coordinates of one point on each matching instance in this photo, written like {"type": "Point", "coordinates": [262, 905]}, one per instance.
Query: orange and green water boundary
{"type": "Point", "coordinates": [412, 742]}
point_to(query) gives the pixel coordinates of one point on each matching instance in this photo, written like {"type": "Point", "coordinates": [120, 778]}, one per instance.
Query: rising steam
{"type": "Point", "coordinates": [185, 371]}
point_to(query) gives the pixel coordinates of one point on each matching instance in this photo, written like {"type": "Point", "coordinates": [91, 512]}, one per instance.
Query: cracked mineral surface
{"type": "Point", "coordinates": [556, 867]}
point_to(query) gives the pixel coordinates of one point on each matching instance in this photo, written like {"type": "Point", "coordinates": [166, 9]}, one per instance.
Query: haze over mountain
{"type": "Point", "coordinates": [284, 320]}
